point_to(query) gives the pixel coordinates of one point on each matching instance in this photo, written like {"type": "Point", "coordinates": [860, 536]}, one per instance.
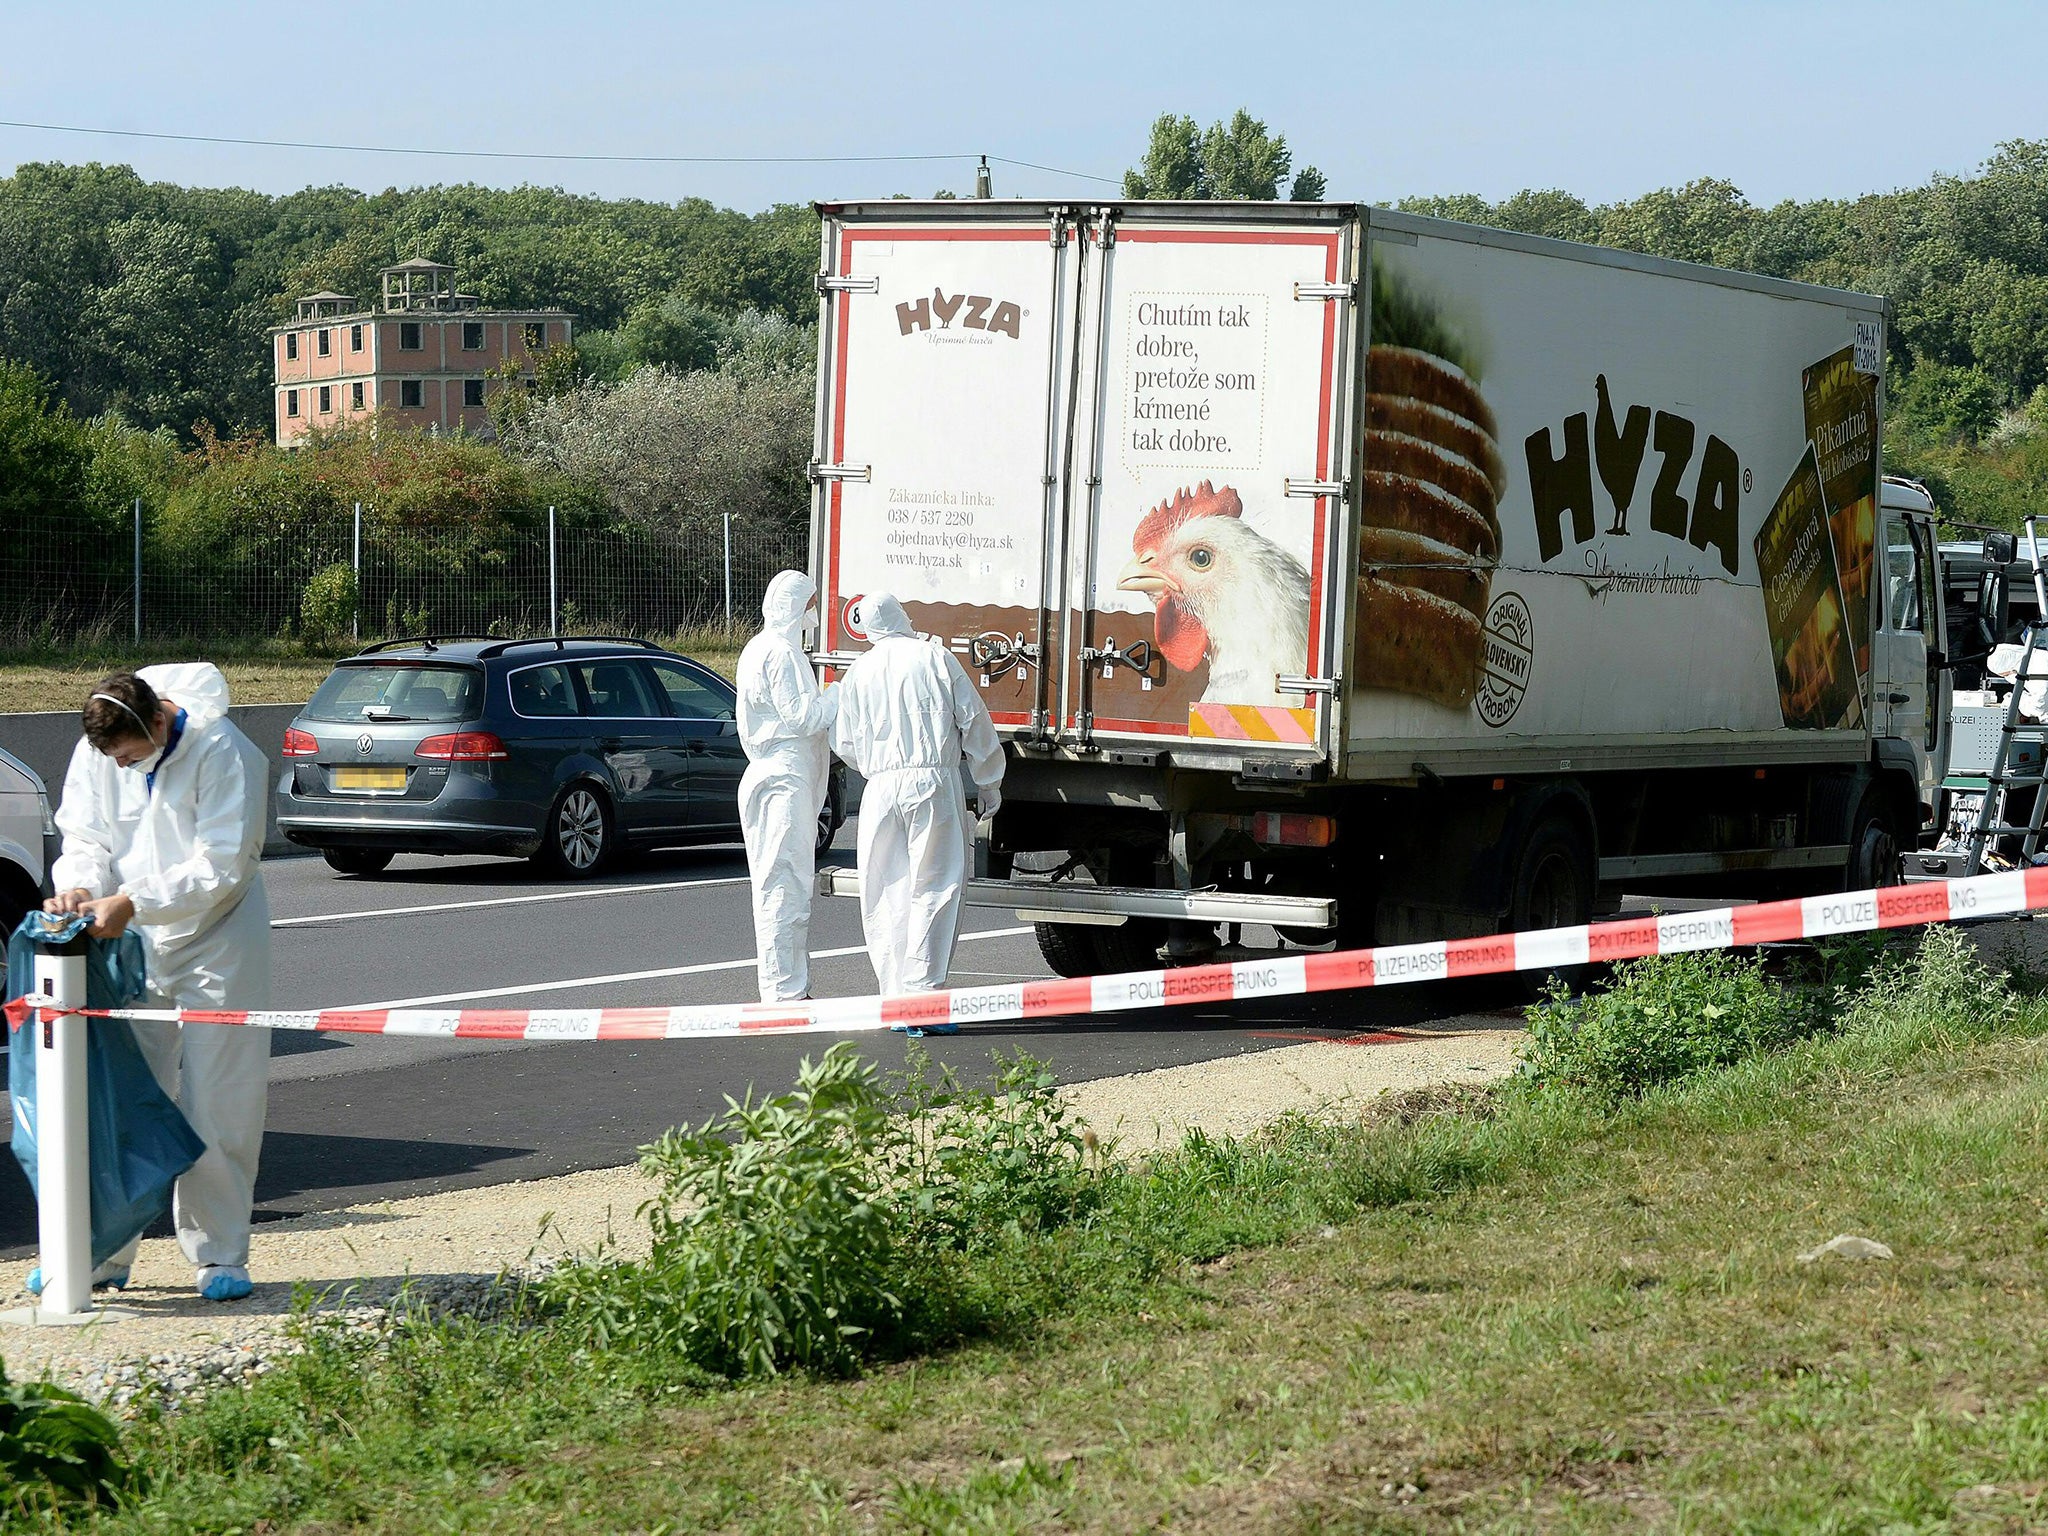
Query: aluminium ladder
{"type": "Point", "coordinates": [1992, 819]}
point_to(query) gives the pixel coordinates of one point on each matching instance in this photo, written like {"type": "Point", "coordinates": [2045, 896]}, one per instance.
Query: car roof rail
{"type": "Point", "coordinates": [562, 642]}
{"type": "Point", "coordinates": [429, 641]}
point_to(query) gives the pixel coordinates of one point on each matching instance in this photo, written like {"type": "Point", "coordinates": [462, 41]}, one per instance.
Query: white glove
{"type": "Point", "coordinates": [991, 801]}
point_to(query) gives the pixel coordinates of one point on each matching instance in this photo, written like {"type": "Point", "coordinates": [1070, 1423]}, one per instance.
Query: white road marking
{"type": "Point", "coordinates": [504, 901]}
{"type": "Point", "coordinates": [674, 970]}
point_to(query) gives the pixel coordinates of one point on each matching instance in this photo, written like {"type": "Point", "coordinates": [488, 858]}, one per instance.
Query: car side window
{"type": "Point", "coordinates": [542, 693]}
{"type": "Point", "coordinates": [617, 690]}
{"type": "Point", "coordinates": [691, 697]}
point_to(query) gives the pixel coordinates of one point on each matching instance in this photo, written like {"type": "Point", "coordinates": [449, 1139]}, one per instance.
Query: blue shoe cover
{"type": "Point", "coordinates": [919, 1031]}
{"type": "Point", "coordinates": [224, 1282]}
{"type": "Point", "coordinates": [106, 1278]}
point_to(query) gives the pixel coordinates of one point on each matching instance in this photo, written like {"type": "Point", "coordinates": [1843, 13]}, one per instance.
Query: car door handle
{"type": "Point", "coordinates": [694, 747]}
{"type": "Point", "coordinates": [610, 744]}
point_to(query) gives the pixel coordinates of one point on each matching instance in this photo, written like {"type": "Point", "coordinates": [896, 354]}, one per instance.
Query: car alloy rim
{"type": "Point", "coordinates": [580, 829]}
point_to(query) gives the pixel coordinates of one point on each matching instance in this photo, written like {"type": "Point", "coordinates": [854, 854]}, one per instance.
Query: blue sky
{"type": "Point", "coordinates": [1607, 100]}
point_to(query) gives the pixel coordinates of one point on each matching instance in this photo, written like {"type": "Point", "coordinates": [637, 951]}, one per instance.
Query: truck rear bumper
{"type": "Point", "coordinates": [1067, 902]}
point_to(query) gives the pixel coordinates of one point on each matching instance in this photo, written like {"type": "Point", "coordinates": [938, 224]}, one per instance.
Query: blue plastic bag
{"type": "Point", "coordinates": [139, 1141]}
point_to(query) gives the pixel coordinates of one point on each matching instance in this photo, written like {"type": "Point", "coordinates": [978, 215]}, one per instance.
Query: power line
{"type": "Point", "coordinates": [511, 154]}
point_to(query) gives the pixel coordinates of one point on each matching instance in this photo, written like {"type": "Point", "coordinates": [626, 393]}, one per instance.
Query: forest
{"type": "Point", "coordinates": [133, 359]}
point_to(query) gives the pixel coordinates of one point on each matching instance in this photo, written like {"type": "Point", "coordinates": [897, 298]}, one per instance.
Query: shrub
{"type": "Point", "coordinates": [772, 1248]}
{"type": "Point", "coordinates": [975, 1164]}
{"type": "Point", "coordinates": [57, 1449]}
{"type": "Point", "coordinates": [329, 604]}
{"type": "Point", "coordinates": [1662, 1018]}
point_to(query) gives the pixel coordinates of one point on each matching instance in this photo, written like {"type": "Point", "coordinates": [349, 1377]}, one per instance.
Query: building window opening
{"type": "Point", "coordinates": [291, 344]}
{"type": "Point", "coordinates": [536, 335]}
{"type": "Point", "coordinates": [355, 338]}
{"type": "Point", "coordinates": [408, 336]}
{"type": "Point", "coordinates": [325, 347]}
{"type": "Point", "coordinates": [326, 398]}
{"type": "Point", "coordinates": [291, 402]}
{"type": "Point", "coordinates": [472, 391]}
{"type": "Point", "coordinates": [355, 397]}
{"type": "Point", "coordinates": [412, 394]}
{"type": "Point", "coordinates": [472, 335]}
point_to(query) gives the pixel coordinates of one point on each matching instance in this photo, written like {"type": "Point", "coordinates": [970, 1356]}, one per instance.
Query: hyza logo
{"type": "Point", "coordinates": [1510, 652]}
{"type": "Point", "coordinates": [980, 314]}
{"type": "Point", "coordinates": [1558, 485]}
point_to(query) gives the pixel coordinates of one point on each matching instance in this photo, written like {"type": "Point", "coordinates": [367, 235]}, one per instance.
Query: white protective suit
{"type": "Point", "coordinates": [907, 714]}
{"type": "Point", "coordinates": [784, 718]}
{"type": "Point", "coordinates": [2004, 661]}
{"type": "Point", "coordinates": [187, 853]}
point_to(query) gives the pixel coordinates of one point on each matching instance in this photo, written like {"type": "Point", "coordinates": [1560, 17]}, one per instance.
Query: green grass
{"type": "Point", "coordinates": [1532, 1309]}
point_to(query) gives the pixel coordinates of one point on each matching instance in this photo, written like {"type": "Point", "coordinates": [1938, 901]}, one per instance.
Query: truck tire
{"type": "Point", "coordinates": [1876, 852]}
{"type": "Point", "coordinates": [1066, 947]}
{"type": "Point", "coordinates": [1553, 888]}
{"type": "Point", "coordinates": [1133, 945]}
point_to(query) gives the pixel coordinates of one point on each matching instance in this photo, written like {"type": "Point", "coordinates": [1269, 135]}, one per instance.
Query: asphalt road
{"type": "Point", "coordinates": [355, 1119]}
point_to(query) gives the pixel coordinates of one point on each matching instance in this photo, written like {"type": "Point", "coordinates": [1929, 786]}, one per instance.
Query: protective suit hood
{"type": "Point", "coordinates": [783, 605]}
{"type": "Point", "coordinates": [882, 616]}
{"type": "Point", "coordinates": [197, 687]}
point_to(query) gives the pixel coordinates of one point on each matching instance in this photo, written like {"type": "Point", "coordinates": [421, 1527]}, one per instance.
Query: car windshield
{"type": "Point", "coordinates": [398, 690]}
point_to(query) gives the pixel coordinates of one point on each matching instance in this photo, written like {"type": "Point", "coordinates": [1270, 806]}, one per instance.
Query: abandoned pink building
{"type": "Point", "coordinates": [425, 359]}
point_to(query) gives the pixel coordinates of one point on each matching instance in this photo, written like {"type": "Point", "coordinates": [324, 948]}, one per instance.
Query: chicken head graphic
{"type": "Point", "coordinates": [1220, 590]}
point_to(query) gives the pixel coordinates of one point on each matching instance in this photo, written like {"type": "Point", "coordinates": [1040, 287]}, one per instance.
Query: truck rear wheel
{"type": "Point", "coordinates": [1553, 888]}
{"type": "Point", "coordinates": [1066, 948]}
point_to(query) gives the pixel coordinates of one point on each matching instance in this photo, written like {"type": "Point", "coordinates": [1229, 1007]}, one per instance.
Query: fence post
{"type": "Point", "coordinates": [728, 572]}
{"type": "Point", "coordinates": [355, 561]}
{"type": "Point", "coordinates": [63, 1190]}
{"type": "Point", "coordinates": [554, 581]}
{"type": "Point", "coordinates": [138, 571]}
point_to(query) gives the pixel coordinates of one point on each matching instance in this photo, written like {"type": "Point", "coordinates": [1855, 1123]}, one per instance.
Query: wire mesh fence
{"type": "Point", "coordinates": [92, 578]}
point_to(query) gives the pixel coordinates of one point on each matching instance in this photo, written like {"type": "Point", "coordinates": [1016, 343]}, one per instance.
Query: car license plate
{"type": "Point", "coordinates": [369, 778]}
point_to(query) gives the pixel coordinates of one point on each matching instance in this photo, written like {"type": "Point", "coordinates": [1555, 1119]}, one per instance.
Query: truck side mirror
{"type": "Point", "coordinates": [2001, 549]}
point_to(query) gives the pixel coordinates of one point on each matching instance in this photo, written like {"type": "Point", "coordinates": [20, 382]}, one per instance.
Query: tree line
{"type": "Point", "coordinates": [133, 321]}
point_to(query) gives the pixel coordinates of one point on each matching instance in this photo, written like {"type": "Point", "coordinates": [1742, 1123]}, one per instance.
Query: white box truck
{"type": "Point", "coordinates": [1369, 577]}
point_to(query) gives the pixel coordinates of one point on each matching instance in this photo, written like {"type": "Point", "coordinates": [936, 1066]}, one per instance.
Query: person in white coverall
{"type": "Point", "coordinates": [784, 718]}
{"type": "Point", "coordinates": [907, 715]}
{"type": "Point", "coordinates": [163, 828]}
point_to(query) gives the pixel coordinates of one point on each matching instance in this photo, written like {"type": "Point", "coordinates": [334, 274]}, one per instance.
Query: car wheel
{"type": "Point", "coordinates": [577, 838]}
{"type": "Point", "coordinates": [357, 861]}
{"type": "Point", "coordinates": [17, 897]}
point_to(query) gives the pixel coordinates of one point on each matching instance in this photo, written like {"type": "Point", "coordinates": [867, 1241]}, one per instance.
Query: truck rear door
{"type": "Point", "coordinates": [1204, 519]}
{"type": "Point", "coordinates": [945, 355]}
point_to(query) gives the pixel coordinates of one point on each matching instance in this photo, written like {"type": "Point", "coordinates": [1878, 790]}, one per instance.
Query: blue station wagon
{"type": "Point", "coordinates": [566, 751]}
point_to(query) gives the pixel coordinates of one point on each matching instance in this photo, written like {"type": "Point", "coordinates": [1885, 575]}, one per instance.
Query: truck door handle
{"type": "Point", "coordinates": [1898, 698]}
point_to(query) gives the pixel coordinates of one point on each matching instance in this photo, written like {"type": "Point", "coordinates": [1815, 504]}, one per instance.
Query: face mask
{"type": "Point", "coordinates": [145, 765]}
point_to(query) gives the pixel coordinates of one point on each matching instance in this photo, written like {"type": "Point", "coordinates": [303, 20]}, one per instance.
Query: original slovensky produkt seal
{"type": "Point", "coordinates": [1510, 649]}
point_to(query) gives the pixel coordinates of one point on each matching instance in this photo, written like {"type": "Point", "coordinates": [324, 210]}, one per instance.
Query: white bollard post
{"type": "Point", "coordinates": [63, 1198]}
{"type": "Point", "coordinates": [63, 1149]}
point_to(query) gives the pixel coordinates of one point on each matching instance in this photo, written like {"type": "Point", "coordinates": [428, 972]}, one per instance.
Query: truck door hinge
{"type": "Point", "coordinates": [1293, 487]}
{"type": "Point", "coordinates": [1307, 291]}
{"type": "Point", "coordinates": [829, 282]}
{"type": "Point", "coordinates": [1322, 685]}
{"type": "Point", "coordinates": [819, 471]}
{"type": "Point", "coordinates": [1059, 226]}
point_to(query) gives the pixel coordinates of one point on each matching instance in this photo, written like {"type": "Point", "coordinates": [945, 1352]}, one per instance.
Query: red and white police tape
{"type": "Point", "coordinates": [1810, 917]}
